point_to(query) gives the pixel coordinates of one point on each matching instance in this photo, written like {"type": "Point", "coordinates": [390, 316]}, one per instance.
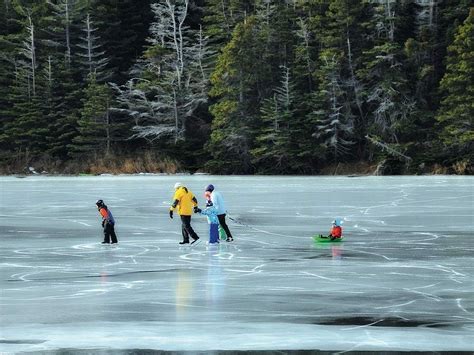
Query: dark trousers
{"type": "Point", "coordinates": [109, 232]}
{"type": "Point", "coordinates": [224, 225]}
{"type": "Point", "coordinates": [186, 229]}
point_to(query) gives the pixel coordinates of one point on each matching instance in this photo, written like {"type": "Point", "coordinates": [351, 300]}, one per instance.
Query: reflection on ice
{"type": "Point", "coordinates": [401, 280]}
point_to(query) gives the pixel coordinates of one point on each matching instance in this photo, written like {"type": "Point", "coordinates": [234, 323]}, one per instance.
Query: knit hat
{"type": "Point", "coordinates": [337, 222]}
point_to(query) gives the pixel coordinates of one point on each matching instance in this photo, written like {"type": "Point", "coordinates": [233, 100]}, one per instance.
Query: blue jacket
{"type": "Point", "coordinates": [211, 213]}
{"type": "Point", "coordinates": [218, 202]}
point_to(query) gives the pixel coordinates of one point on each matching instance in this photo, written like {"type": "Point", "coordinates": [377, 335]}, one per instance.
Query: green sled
{"type": "Point", "coordinates": [320, 239]}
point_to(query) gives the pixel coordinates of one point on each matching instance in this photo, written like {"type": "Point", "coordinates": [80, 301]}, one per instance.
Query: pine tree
{"type": "Point", "coordinates": [273, 151]}
{"type": "Point", "coordinates": [92, 57]}
{"type": "Point", "coordinates": [123, 29]}
{"type": "Point", "coordinates": [10, 36]}
{"type": "Point", "coordinates": [63, 98]}
{"type": "Point", "coordinates": [238, 83]}
{"type": "Point", "coordinates": [456, 114]}
{"type": "Point", "coordinates": [24, 130]}
{"type": "Point", "coordinates": [333, 120]}
{"type": "Point", "coordinates": [221, 17]}
{"type": "Point", "coordinates": [63, 32]}
{"type": "Point", "coordinates": [95, 127]}
{"type": "Point", "coordinates": [27, 132]}
{"type": "Point", "coordinates": [386, 87]}
{"type": "Point", "coordinates": [345, 35]}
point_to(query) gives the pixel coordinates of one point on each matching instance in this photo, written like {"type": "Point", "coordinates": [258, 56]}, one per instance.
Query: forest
{"type": "Point", "coordinates": [237, 86]}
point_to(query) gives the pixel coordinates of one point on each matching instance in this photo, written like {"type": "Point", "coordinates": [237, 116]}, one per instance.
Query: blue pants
{"type": "Point", "coordinates": [213, 233]}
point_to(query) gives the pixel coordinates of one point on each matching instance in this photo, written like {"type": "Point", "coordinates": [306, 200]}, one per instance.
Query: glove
{"type": "Point", "coordinates": [103, 223]}
{"type": "Point", "coordinates": [197, 210]}
{"type": "Point", "coordinates": [171, 214]}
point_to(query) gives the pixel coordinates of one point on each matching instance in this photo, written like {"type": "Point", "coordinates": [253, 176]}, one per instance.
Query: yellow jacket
{"type": "Point", "coordinates": [185, 200]}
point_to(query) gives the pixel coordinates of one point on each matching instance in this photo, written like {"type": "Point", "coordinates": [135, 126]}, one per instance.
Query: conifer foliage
{"type": "Point", "coordinates": [456, 115]}
{"type": "Point", "coordinates": [238, 86]}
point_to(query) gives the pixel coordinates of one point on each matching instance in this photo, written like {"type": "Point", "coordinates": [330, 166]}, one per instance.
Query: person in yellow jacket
{"type": "Point", "coordinates": [186, 203]}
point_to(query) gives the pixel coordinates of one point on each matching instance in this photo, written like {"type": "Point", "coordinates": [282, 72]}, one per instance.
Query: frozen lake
{"type": "Point", "coordinates": [403, 279]}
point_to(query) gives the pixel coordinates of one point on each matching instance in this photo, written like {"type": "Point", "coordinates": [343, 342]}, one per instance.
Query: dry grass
{"type": "Point", "coordinates": [147, 163]}
{"type": "Point", "coordinates": [439, 170]}
{"type": "Point", "coordinates": [463, 167]}
{"type": "Point", "coordinates": [359, 168]}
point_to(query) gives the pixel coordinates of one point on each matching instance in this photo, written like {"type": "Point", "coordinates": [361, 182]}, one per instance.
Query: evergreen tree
{"type": "Point", "coordinates": [63, 98]}
{"type": "Point", "coordinates": [354, 72]}
{"type": "Point", "coordinates": [273, 150]}
{"type": "Point", "coordinates": [221, 17]}
{"type": "Point", "coordinates": [27, 132]}
{"type": "Point", "coordinates": [10, 36]}
{"type": "Point", "coordinates": [333, 120]}
{"type": "Point", "coordinates": [63, 30]}
{"type": "Point", "coordinates": [456, 114]}
{"type": "Point", "coordinates": [237, 82]}
{"type": "Point", "coordinates": [24, 129]}
{"type": "Point", "coordinates": [386, 87]}
{"type": "Point", "coordinates": [123, 29]}
{"type": "Point", "coordinates": [92, 57]}
{"type": "Point", "coordinates": [95, 127]}
{"type": "Point", "coordinates": [345, 37]}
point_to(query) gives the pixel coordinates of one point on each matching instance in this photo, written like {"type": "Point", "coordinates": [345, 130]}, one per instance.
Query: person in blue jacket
{"type": "Point", "coordinates": [219, 204]}
{"type": "Point", "coordinates": [211, 213]}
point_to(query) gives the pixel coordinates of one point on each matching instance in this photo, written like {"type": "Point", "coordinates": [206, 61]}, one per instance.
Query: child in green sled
{"type": "Point", "coordinates": [336, 230]}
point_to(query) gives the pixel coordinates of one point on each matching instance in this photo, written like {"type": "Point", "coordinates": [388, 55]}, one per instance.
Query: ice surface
{"type": "Point", "coordinates": [403, 279]}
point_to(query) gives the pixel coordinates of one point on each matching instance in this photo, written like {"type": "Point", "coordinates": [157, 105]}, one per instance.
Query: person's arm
{"type": "Point", "coordinates": [174, 205]}
{"type": "Point", "coordinates": [205, 212]}
{"type": "Point", "coordinates": [195, 204]}
{"type": "Point", "coordinates": [330, 232]}
{"type": "Point", "coordinates": [215, 200]}
{"type": "Point", "coordinates": [104, 215]}
{"type": "Point", "coordinates": [176, 198]}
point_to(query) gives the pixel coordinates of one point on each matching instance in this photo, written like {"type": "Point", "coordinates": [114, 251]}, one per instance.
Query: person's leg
{"type": "Point", "coordinates": [112, 234]}
{"type": "Point", "coordinates": [213, 233]}
{"type": "Point", "coordinates": [224, 226]}
{"type": "Point", "coordinates": [187, 226]}
{"type": "Point", "coordinates": [106, 234]}
{"type": "Point", "coordinates": [184, 232]}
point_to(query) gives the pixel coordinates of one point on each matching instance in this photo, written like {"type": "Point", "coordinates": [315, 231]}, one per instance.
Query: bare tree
{"type": "Point", "coordinates": [353, 81]}
{"type": "Point", "coordinates": [28, 52]}
{"type": "Point", "coordinates": [304, 34]}
{"type": "Point", "coordinates": [427, 16]}
{"type": "Point", "coordinates": [177, 62]}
